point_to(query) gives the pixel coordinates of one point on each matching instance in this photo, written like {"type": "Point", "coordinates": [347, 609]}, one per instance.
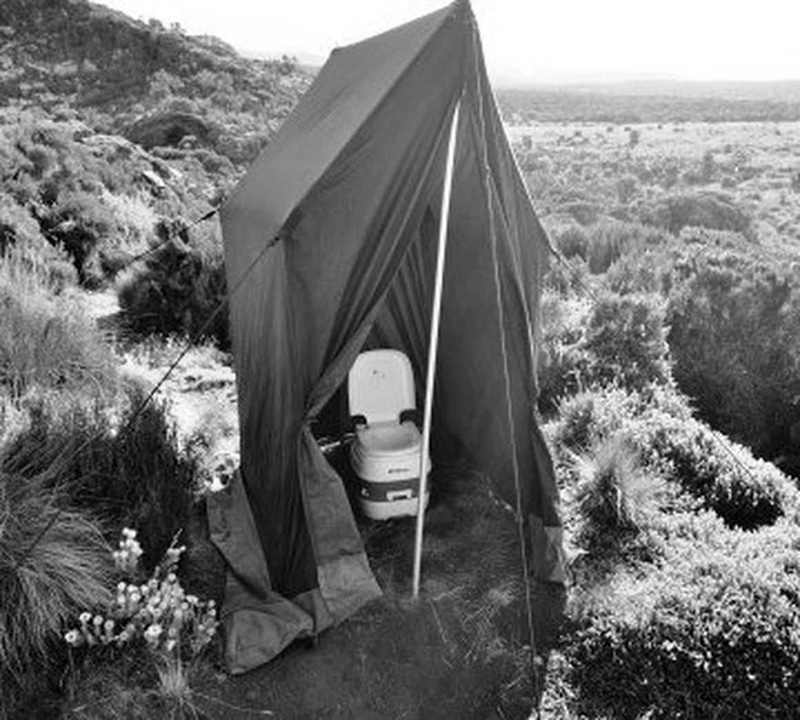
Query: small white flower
{"type": "Point", "coordinates": [85, 617]}
{"type": "Point", "coordinates": [72, 638]}
{"type": "Point", "coordinates": [153, 633]}
{"type": "Point", "coordinates": [98, 620]}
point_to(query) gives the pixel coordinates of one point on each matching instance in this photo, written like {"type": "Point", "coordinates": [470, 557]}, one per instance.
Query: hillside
{"type": "Point", "coordinates": [151, 84]}
{"type": "Point", "coordinates": [109, 126]}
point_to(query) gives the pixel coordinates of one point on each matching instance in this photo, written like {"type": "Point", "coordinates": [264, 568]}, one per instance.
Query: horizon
{"type": "Point", "coordinates": [523, 45]}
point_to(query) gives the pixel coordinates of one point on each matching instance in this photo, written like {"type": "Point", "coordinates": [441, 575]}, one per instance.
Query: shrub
{"type": "Point", "coordinates": [562, 361]}
{"type": "Point", "coordinates": [626, 342]}
{"type": "Point", "coordinates": [733, 313]}
{"type": "Point", "coordinates": [647, 271]}
{"type": "Point", "coordinates": [735, 336]}
{"type": "Point", "coordinates": [713, 632]}
{"type": "Point", "coordinates": [176, 289]}
{"type": "Point", "coordinates": [585, 213]}
{"type": "Point", "coordinates": [626, 188]}
{"type": "Point", "coordinates": [80, 223]}
{"type": "Point", "coordinates": [125, 467]}
{"type": "Point", "coordinates": [23, 247]}
{"type": "Point", "coordinates": [572, 241]}
{"type": "Point", "coordinates": [743, 491]}
{"type": "Point", "coordinates": [715, 211]}
{"type": "Point", "coordinates": [621, 340]}
{"type": "Point", "coordinates": [47, 342]}
{"type": "Point", "coordinates": [615, 497]}
{"type": "Point", "coordinates": [53, 562]}
{"type": "Point", "coordinates": [16, 225]}
{"type": "Point", "coordinates": [567, 278]}
{"type": "Point", "coordinates": [610, 240]}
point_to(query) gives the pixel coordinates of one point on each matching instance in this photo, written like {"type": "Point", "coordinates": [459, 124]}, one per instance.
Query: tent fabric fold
{"type": "Point", "coordinates": [351, 186]}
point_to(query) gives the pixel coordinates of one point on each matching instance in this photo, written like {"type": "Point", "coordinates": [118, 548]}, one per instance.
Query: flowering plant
{"type": "Point", "coordinates": [157, 610]}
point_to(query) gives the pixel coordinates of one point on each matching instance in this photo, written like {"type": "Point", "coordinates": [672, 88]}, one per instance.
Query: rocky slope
{"type": "Point", "coordinates": [110, 126]}
{"type": "Point", "coordinates": [154, 85]}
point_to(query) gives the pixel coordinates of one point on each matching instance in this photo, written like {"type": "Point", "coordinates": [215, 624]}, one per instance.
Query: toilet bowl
{"type": "Point", "coordinates": [385, 452]}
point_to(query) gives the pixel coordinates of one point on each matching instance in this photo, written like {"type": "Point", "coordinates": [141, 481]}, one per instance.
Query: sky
{"type": "Point", "coordinates": [524, 40]}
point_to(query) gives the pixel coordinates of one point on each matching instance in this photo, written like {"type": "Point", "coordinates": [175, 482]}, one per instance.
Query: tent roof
{"type": "Point", "coordinates": [351, 85]}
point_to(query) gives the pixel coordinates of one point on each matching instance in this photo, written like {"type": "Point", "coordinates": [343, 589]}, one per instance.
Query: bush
{"type": "Point", "coordinates": [620, 340]}
{"type": "Point", "coordinates": [715, 211]}
{"type": "Point", "coordinates": [176, 289]}
{"type": "Point", "coordinates": [626, 341]}
{"type": "Point", "coordinates": [24, 248]}
{"type": "Point", "coordinates": [80, 223]}
{"type": "Point", "coordinates": [46, 342]}
{"type": "Point", "coordinates": [743, 491]}
{"type": "Point", "coordinates": [615, 497]}
{"type": "Point", "coordinates": [612, 239]}
{"type": "Point", "coordinates": [53, 562]}
{"type": "Point", "coordinates": [713, 632]}
{"type": "Point", "coordinates": [584, 213]}
{"type": "Point", "coordinates": [735, 336]}
{"type": "Point", "coordinates": [562, 360]}
{"type": "Point", "coordinates": [572, 241]}
{"type": "Point", "coordinates": [733, 313]}
{"type": "Point", "coordinates": [124, 467]}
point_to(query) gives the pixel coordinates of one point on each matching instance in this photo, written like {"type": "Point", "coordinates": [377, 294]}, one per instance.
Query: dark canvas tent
{"type": "Point", "coordinates": [330, 243]}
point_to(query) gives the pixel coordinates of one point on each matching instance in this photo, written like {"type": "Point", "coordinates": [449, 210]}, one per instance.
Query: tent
{"type": "Point", "coordinates": [330, 246]}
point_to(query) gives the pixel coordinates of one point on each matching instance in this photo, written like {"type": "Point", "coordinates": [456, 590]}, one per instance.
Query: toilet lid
{"type": "Point", "coordinates": [388, 438]}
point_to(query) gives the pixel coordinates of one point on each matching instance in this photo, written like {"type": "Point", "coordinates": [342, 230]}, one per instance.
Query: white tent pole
{"type": "Point", "coordinates": [433, 346]}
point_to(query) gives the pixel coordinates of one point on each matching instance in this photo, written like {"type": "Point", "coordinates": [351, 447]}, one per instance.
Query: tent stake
{"type": "Point", "coordinates": [433, 347]}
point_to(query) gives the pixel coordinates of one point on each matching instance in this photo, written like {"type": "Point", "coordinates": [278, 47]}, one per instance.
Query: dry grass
{"type": "Point", "coordinates": [54, 563]}
{"type": "Point", "coordinates": [46, 342]}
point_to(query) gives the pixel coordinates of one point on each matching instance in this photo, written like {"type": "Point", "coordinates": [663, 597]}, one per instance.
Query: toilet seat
{"type": "Point", "coordinates": [388, 438]}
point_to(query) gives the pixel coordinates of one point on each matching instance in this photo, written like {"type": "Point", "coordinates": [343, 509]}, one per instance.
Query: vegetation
{"type": "Point", "coordinates": [669, 377]}
{"type": "Point", "coordinates": [179, 287]}
{"type": "Point", "coordinates": [654, 102]}
{"type": "Point", "coordinates": [80, 457]}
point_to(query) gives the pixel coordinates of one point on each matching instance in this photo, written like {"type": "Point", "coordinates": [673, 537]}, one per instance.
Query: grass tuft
{"type": "Point", "coordinates": [53, 563]}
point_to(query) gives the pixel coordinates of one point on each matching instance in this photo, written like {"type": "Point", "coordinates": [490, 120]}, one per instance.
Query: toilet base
{"type": "Point", "coordinates": [386, 509]}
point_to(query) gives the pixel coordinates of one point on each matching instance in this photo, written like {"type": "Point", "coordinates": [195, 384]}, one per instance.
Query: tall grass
{"type": "Point", "coordinates": [125, 467]}
{"type": "Point", "coordinates": [53, 564]}
{"type": "Point", "coordinates": [615, 497]}
{"type": "Point", "coordinates": [46, 341]}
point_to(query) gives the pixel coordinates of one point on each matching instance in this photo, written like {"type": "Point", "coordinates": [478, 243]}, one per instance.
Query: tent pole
{"type": "Point", "coordinates": [433, 346]}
